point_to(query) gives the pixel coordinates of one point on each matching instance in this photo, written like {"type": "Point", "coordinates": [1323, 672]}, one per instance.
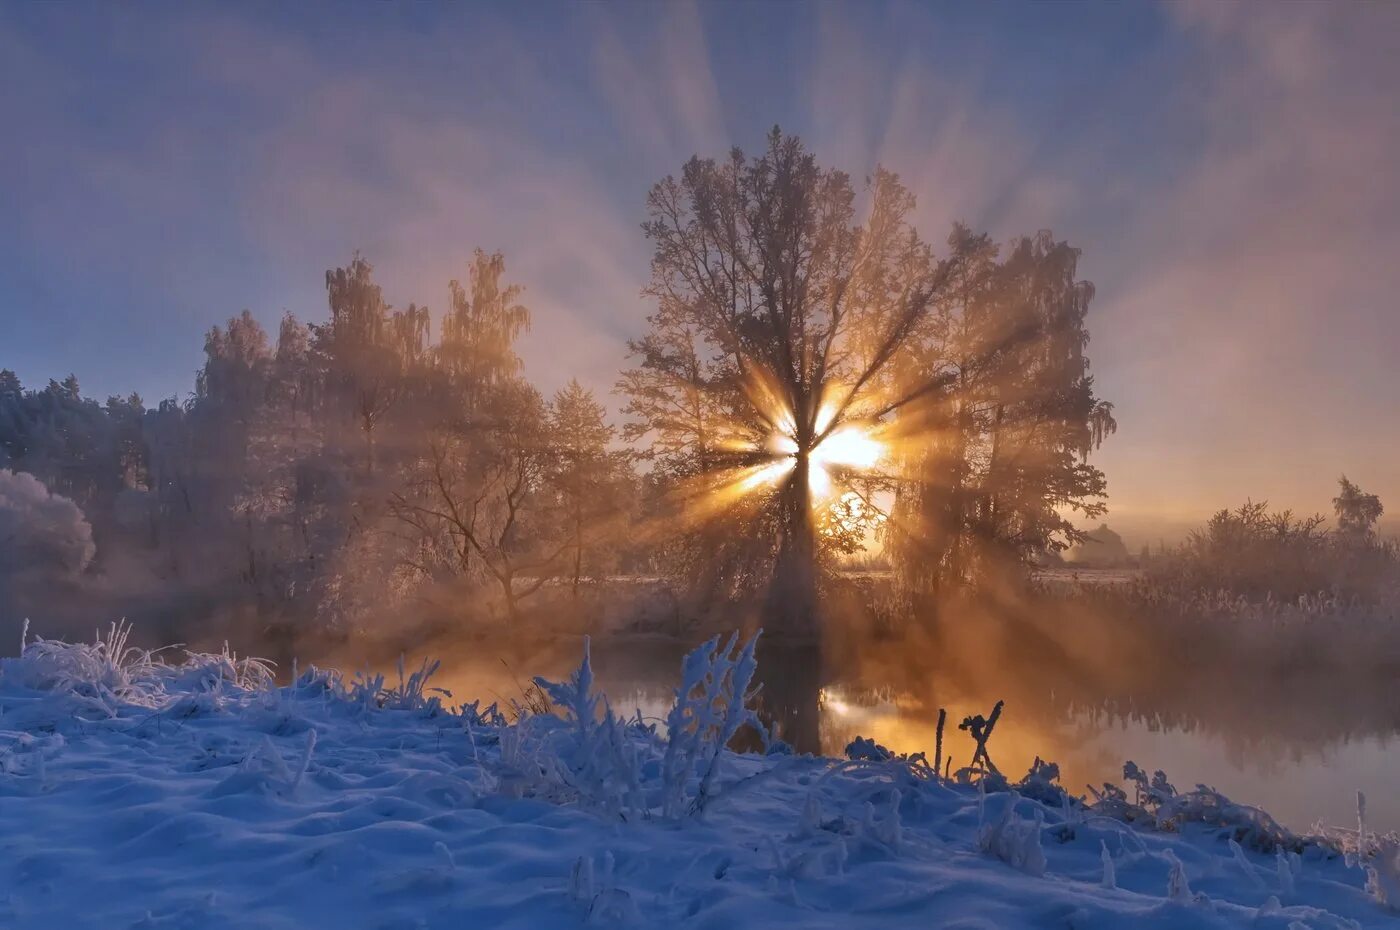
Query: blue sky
{"type": "Point", "coordinates": [1228, 171]}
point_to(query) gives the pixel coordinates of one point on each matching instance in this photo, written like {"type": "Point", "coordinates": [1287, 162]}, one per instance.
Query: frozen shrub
{"type": "Point", "coordinates": [1383, 873]}
{"type": "Point", "coordinates": [413, 692]}
{"type": "Point", "coordinates": [1040, 783]}
{"type": "Point", "coordinates": [711, 705]}
{"type": "Point", "coordinates": [1254, 553]}
{"type": "Point", "coordinates": [101, 677]}
{"type": "Point", "coordinates": [39, 529]}
{"type": "Point", "coordinates": [263, 770]}
{"type": "Point", "coordinates": [1157, 802]}
{"type": "Point", "coordinates": [101, 674]}
{"type": "Point", "coordinates": [474, 715]}
{"type": "Point", "coordinates": [1378, 855]}
{"type": "Point", "coordinates": [212, 671]}
{"type": "Point", "coordinates": [598, 759]}
{"type": "Point", "coordinates": [1178, 888]}
{"type": "Point", "coordinates": [867, 750]}
{"type": "Point", "coordinates": [575, 697]}
{"type": "Point", "coordinates": [1014, 839]}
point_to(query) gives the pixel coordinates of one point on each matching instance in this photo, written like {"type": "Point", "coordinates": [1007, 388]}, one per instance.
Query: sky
{"type": "Point", "coordinates": [1229, 171]}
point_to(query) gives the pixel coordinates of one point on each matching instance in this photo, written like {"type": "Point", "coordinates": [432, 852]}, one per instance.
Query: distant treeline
{"type": "Point", "coordinates": [1257, 553]}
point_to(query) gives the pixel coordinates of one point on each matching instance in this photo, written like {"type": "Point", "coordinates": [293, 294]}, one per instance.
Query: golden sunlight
{"type": "Point", "coordinates": [850, 448]}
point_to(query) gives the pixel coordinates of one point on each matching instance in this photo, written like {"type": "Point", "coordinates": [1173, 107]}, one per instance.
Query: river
{"type": "Point", "coordinates": [1298, 747]}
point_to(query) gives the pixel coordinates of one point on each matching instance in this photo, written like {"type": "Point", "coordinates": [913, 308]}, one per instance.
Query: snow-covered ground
{"type": "Point", "coordinates": [137, 792]}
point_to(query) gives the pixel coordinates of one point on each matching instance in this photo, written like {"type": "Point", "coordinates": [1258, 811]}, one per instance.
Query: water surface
{"type": "Point", "coordinates": [1299, 748]}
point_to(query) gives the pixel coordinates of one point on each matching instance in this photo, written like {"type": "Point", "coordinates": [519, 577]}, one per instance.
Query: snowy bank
{"type": "Point", "coordinates": [138, 790]}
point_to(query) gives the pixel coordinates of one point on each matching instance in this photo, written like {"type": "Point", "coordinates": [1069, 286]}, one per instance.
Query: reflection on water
{"type": "Point", "coordinates": [1298, 748]}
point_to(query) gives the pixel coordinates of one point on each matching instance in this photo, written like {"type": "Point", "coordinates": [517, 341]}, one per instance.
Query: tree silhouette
{"type": "Point", "coordinates": [778, 322]}
{"type": "Point", "coordinates": [1357, 511]}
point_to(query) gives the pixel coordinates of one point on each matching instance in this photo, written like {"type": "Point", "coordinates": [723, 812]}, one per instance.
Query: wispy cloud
{"type": "Point", "coordinates": [1229, 174]}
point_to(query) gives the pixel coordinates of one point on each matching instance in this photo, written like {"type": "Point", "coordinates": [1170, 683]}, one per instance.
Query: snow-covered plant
{"type": "Point", "coordinates": [1237, 853]}
{"type": "Point", "coordinates": [810, 820]}
{"type": "Point", "coordinates": [1014, 839]}
{"type": "Point", "coordinates": [598, 758]}
{"type": "Point", "coordinates": [39, 528]}
{"type": "Point", "coordinates": [305, 763]}
{"type": "Point", "coordinates": [1040, 783]}
{"type": "Point", "coordinates": [413, 693]}
{"type": "Point", "coordinates": [1072, 816]}
{"type": "Point", "coordinates": [474, 715]}
{"type": "Point", "coordinates": [596, 888]}
{"type": "Point", "coordinates": [575, 696]}
{"type": "Point", "coordinates": [1156, 801]}
{"type": "Point", "coordinates": [105, 672]}
{"type": "Point", "coordinates": [367, 690]}
{"type": "Point", "coordinates": [1379, 856]}
{"type": "Point", "coordinates": [862, 749]}
{"type": "Point", "coordinates": [1178, 888]}
{"type": "Point", "coordinates": [980, 729]}
{"type": "Point", "coordinates": [314, 681]}
{"type": "Point", "coordinates": [264, 770]}
{"type": "Point", "coordinates": [1383, 873]}
{"type": "Point", "coordinates": [212, 671]}
{"type": "Point", "coordinates": [711, 705]}
{"type": "Point", "coordinates": [1285, 870]}
{"type": "Point", "coordinates": [1148, 794]}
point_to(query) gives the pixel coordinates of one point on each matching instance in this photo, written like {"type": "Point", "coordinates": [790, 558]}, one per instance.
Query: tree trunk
{"type": "Point", "coordinates": [792, 606]}
{"type": "Point", "coordinates": [578, 555]}
{"type": "Point", "coordinates": [507, 580]}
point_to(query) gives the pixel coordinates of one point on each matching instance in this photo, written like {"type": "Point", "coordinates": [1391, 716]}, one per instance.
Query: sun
{"type": "Point", "coordinates": [845, 452]}
{"type": "Point", "coordinates": [849, 449]}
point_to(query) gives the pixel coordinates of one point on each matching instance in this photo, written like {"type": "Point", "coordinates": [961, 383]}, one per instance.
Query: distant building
{"type": "Point", "coordinates": [1102, 549]}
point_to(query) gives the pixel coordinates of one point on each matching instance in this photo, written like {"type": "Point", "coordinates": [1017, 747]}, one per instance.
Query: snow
{"type": "Point", "coordinates": [165, 791]}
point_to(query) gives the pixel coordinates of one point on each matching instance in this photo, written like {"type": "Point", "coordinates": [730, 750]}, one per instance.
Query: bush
{"type": "Point", "coordinates": [39, 529]}
{"type": "Point", "coordinates": [1256, 554]}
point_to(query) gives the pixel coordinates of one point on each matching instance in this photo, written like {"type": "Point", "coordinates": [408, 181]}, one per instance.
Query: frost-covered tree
{"type": "Point", "coordinates": [1002, 459]}
{"type": "Point", "coordinates": [474, 503]}
{"type": "Point", "coordinates": [1357, 511]}
{"type": "Point", "coordinates": [780, 311]}
{"type": "Point", "coordinates": [484, 318]}
{"type": "Point", "coordinates": [794, 317]}
{"type": "Point", "coordinates": [40, 530]}
{"type": "Point", "coordinates": [369, 352]}
{"type": "Point", "coordinates": [589, 478]}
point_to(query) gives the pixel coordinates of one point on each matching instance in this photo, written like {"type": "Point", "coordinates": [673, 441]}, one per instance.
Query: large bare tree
{"type": "Point", "coordinates": [782, 303]}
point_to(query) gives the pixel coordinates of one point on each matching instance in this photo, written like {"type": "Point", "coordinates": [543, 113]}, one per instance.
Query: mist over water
{"type": "Point", "coordinates": [1298, 743]}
